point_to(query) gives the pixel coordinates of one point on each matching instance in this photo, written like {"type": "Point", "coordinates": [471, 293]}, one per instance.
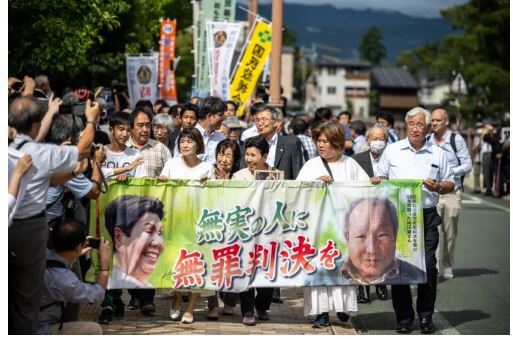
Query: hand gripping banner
{"type": "Point", "coordinates": [232, 235]}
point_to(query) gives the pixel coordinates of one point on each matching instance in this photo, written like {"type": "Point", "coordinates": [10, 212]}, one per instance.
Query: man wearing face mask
{"type": "Point", "coordinates": [376, 138]}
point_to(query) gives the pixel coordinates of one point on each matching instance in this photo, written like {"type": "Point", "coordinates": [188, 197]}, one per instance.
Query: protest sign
{"type": "Point", "coordinates": [222, 39]}
{"type": "Point", "coordinates": [231, 235]}
{"type": "Point", "coordinates": [167, 83]}
{"type": "Point", "coordinates": [216, 10]}
{"type": "Point", "coordinates": [254, 57]}
{"type": "Point", "coordinates": [142, 77]}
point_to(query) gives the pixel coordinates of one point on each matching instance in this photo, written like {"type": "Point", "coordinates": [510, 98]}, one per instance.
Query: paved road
{"type": "Point", "coordinates": [477, 300]}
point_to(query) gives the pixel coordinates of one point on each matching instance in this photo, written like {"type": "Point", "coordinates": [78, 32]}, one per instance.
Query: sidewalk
{"type": "Point", "coordinates": [286, 318]}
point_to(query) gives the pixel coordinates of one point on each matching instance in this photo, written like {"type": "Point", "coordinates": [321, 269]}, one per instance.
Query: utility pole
{"type": "Point", "coordinates": [252, 12]}
{"type": "Point", "coordinates": [275, 97]}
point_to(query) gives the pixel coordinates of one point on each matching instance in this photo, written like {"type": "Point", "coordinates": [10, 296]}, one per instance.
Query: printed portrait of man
{"type": "Point", "coordinates": [219, 38]}
{"type": "Point", "coordinates": [370, 230]}
{"type": "Point", "coordinates": [134, 224]}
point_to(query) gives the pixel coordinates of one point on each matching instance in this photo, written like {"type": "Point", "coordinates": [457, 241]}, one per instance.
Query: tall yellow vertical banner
{"type": "Point", "coordinates": [246, 75]}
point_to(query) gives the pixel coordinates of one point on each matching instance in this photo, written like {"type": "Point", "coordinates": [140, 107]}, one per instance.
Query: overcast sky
{"type": "Point", "coordinates": [422, 8]}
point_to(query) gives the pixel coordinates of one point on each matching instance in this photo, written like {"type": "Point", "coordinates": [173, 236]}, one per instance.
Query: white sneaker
{"type": "Point", "coordinates": [187, 318]}
{"type": "Point", "coordinates": [448, 275]}
{"type": "Point", "coordinates": [174, 314]}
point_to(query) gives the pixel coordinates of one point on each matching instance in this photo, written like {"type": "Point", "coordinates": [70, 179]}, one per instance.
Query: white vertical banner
{"type": "Point", "coordinates": [221, 41]}
{"type": "Point", "coordinates": [142, 77]}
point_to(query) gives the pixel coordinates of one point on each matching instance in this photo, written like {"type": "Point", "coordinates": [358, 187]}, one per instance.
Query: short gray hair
{"type": "Point", "coordinates": [377, 126]}
{"type": "Point", "coordinates": [276, 114]}
{"type": "Point", "coordinates": [416, 111]}
{"type": "Point", "coordinates": [163, 119]}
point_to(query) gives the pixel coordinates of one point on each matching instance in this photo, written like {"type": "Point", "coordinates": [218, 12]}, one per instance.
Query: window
{"type": "Point", "coordinates": [332, 70]}
{"type": "Point", "coordinates": [332, 90]}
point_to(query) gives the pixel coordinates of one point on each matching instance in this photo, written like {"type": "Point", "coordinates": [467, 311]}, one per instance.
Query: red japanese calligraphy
{"type": "Point", "coordinates": [227, 266]}
{"type": "Point", "coordinates": [264, 258]}
{"type": "Point", "coordinates": [189, 269]}
{"type": "Point", "coordinates": [328, 255]}
{"type": "Point", "coordinates": [296, 257]}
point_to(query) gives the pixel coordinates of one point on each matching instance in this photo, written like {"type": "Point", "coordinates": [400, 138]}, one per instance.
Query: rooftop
{"type": "Point", "coordinates": [393, 77]}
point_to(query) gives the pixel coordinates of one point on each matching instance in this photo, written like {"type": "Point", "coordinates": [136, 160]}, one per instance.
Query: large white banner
{"type": "Point", "coordinates": [221, 41]}
{"type": "Point", "coordinates": [142, 77]}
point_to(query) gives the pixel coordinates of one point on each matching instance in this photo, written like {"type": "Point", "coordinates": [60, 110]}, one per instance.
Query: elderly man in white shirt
{"type": "Point", "coordinates": [449, 205]}
{"type": "Point", "coordinates": [417, 158]}
{"type": "Point", "coordinates": [28, 233]}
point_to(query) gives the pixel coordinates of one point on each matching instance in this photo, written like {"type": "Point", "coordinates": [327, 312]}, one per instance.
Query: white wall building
{"type": "Point", "coordinates": [339, 85]}
{"type": "Point", "coordinates": [433, 93]}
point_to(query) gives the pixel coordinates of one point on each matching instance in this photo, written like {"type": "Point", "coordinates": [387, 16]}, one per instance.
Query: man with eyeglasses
{"type": "Point", "coordinates": [417, 158]}
{"type": "Point", "coordinates": [285, 152]}
{"type": "Point", "coordinates": [155, 155]}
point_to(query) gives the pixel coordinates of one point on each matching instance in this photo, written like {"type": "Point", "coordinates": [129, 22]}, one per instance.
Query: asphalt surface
{"type": "Point", "coordinates": [476, 301]}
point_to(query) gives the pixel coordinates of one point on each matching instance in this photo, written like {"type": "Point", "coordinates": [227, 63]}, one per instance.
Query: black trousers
{"type": "Point", "coordinates": [262, 301]}
{"type": "Point", "coordinates": [27, 264]}
{"type": "Point", "coordinates": [145, 295]}
{"type": "Point", "coordinates": [426, 293]}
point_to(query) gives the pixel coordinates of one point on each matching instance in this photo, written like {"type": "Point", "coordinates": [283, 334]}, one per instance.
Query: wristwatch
{"type": "Point", "coordinates": [93, 122]}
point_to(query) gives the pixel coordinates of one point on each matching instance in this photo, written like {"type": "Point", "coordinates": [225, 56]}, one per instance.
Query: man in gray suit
{"type": "Point", "coordinates": [376, 139]}
{"type": "Point", "coordinates": [285, 152]}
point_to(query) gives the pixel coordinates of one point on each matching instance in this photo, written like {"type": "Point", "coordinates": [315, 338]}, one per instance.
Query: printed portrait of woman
{"type": "Point", "coordinates": [135, 226]}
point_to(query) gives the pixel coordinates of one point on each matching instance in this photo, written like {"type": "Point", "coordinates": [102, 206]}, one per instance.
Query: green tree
{"type": "Point", "coordinates": [480, 54]}
{"type": "Point", "coordinates": [56, 36]}
{"type": "Point", "coordinates": [371, 47]}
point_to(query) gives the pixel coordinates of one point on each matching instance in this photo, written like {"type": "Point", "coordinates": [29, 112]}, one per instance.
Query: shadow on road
{"type": "Point", "coordinates": [456, 318]}
{"type": "Point", "coordinates": [472, 272]}
{"type": "Point", "coordinates": [376, 321]}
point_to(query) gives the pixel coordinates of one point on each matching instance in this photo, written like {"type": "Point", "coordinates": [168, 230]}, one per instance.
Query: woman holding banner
{"type": "Point", "coordinates": [257, 149]}
{"type": "Point", "coordinates": [331, 165]}
{"type": "Point", "coordinates": [187, 166]}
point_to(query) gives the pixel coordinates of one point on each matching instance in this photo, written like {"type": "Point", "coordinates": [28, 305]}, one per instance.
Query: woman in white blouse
{"type": "Point", "coordinates": [332, 165]}
{"type": "Point", "coordinates": [187, 166]}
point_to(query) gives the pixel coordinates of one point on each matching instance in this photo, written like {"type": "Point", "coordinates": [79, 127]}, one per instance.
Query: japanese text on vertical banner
{"type": "Point", "coordinates": [167, 82]}
{"type": "Point", "coordinates": [247, 72]}
{"type": "Point", "coordinates": [142, 77]}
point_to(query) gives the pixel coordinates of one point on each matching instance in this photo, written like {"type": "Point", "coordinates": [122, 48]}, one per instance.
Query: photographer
{"type": "Point", "coordinates": [62, 286]}
{"type": "Point", "coordinates": [59, 204]}
{"type": "Point", "coordinates": [28, 233]}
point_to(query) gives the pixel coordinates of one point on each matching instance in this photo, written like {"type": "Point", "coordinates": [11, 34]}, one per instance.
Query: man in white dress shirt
{"type": "Point", "coordinates": [416, 158]}
{"type": "Point", "coordinates": [449, 205]}
{"type": "Point", "coordinates": [211, 116]}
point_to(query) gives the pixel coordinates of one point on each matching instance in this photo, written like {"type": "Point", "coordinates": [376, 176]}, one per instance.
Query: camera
{"type": "Point", "coordinates": [93, 242]}
{"type": "Point", "coordinates": [75, 108]}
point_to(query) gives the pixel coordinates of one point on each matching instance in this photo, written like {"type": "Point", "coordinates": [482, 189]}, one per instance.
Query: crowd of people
{"type": "Point", "coordinates": [61, 158]}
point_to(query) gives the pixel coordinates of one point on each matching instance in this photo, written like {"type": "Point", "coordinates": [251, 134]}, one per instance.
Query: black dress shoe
{"type": "Point", "coordinates": [403, 329]}
{"type": "Point", "coordinates": [382, 292]}
{"type": "Point", "coordinates": [426, 325]}
{"type": "Point", "coordinates": [148, 308]}
{"type": "Point", "coordinates": [134, 304]}
{"type": "Point", "coordinates": [361, 298]}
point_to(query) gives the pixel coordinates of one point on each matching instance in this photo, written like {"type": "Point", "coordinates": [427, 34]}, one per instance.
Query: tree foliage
{"type": "Point", "coordinates": [85, 42]}
{"type": "Point", "coordinates": [371, 47]}
{"type": "Point", "coordinates": [480, 54]}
